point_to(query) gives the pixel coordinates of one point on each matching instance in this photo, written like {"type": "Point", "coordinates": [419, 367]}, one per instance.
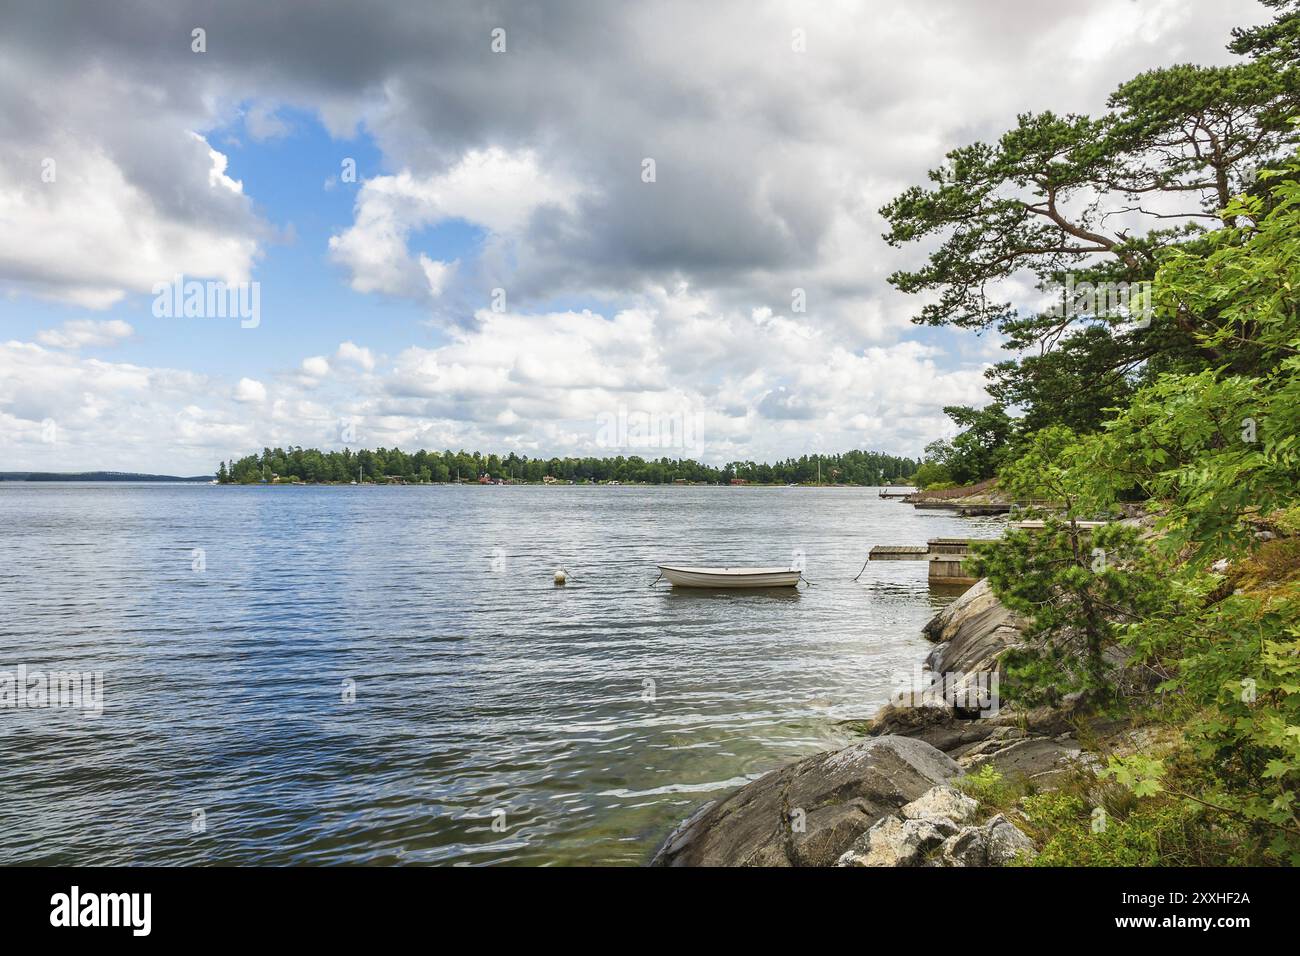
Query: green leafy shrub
{"type": "Point", "coordinates": [988, 787]}
{"type": "Point", "coordinates": [1155, 833]}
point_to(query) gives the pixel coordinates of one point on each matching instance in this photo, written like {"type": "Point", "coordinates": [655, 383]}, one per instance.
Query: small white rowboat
{"type": "Point", "coordinates": [730, 577]}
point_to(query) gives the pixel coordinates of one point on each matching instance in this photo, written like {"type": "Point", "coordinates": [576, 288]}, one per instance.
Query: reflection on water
{"type": "Point", "coordinates": [584, 720]}
{"type": "Point", "coordinates": [732, 594]}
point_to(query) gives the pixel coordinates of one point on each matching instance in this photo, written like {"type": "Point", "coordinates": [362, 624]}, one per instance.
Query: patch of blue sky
{"type": "Point", "coordinates": [307, 306]}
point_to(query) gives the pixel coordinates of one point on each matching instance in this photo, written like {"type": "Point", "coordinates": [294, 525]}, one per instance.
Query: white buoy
{"type": "Point", "coordinates": [560, 577]}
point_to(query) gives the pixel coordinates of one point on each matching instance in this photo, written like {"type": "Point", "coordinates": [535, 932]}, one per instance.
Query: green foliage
{"type": "Point", "coordinates": [1216, 450]}
{"type": "Point", "coordinates": [1151, 833]}
{"type": "Point", "coordinates": [1277, 42]}
{"type": "Point", "coordinates": [989, 787]}
{"type": "Point", "coordinates": [384, 464]}
{"type": "Point", "coordinates": [1083, 375]}
{"type": "Point", "coordinates": [932, 475]}
{"type": "Point", "coordinates": [1051, 470]}
{"type": "Point", "coordinates": [1235, 679]}
{"type": "Point", "coordinates": [1175, 145]}
{"type": "Point", "coordinates": [1197, 413]}
{"type": "Point", "coordinates": [1076, 589]}
{"type": "Point", "coordinates": [1139, 773]}
{"type": "Point", "coordinates": [1073, 584]}
{"type": "Point", "coordinates": [1220, 447]}
{"type": "Point", "coordinates": [1288, 520]}
{"type": "Point", "coordinates": [979, 449]}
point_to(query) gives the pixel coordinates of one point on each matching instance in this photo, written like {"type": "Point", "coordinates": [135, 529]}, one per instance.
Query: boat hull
{"type": "Point", "coordinates": [730, 577]}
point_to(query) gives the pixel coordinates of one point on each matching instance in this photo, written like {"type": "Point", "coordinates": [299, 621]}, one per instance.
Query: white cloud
{"type": "Point", "coordinates": [492, 188]}
{"type": "Point", "coordinates": [86, 333]}
{"type": "Point", "coordinates": [436, 273]}
{"type": "Point", "coordinates": [109, 415]}
{"type": "Point", "coordinates": [250, 390]}
{"type": "Point", "coordinates": [534, 383]}
{"type": "Point", "coordinates": [108, 189]}
{"type": "Point", "coordinates": [317, 366]}
{"type": "Point", "coordinates": [92, 236]}
{"type": "Point", "coordinates": [351, 352]}
{"type": "Point", "coordinates": [217, 177]}
{"type": "Point", "coordinates": [542, 383]}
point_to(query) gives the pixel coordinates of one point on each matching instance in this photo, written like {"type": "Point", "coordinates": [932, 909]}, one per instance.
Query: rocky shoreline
{"type": "Point", "coordinates": [890, 800]}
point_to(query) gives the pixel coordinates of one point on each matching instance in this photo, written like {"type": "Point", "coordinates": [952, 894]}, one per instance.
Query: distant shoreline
{"type": "Point", "coordinates": [101, 476]}
{"type": "Point", "coordinates": [546, 484]}
{"type": "Point", "coordinates": [113, 477]}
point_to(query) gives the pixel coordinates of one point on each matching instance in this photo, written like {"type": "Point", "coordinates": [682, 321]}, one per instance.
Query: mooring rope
{"type": "Point", "coordinates": [864, 567]}
{"type": "Point", "coordinates": [656, 580]}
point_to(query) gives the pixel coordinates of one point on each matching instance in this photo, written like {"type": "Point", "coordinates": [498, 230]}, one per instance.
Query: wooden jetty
{"type": "Point", "coordinates": [946, 555]}
{"type": "Point", "coordinates": [966, 509]}
{"type": "Point", "coordinates": [898, 552]}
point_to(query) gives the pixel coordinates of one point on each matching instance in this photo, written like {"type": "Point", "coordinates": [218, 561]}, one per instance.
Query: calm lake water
{"type": "Point", "coordinates": [596, 716]}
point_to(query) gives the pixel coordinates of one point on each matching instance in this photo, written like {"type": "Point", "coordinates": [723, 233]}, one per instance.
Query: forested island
{"type": "Point", "coordinates": [394, 466]}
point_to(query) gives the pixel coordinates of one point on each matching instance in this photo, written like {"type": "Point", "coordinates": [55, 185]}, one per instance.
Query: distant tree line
{"type": "Point", "coordinates": [94, 476]}
{"type": "Point", "coordinates": [385, 464]}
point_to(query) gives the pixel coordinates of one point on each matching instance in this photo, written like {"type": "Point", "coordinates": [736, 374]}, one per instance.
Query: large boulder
{"type": "Point", "coordinates": [937, 829]}
{"type": "Point", "coordinates": [1033, 758]}
{"type": "Point", "coordinates": [810, 812]}
{"type": "Point", "coordinates": [944, 728]}
{"type": "Point", "coordinates": [1006, 842]}
{"type": "Point", "coordinates": [970, 847]}
{"type": "Point", "coordinates": [946, 802]}
{"type": "Point", "coordinates": [973, 632]}
{"type": "Point", "coordinates": [996, 843]}
{"type": "Point", "coordinates": [933, 721]}
{"type": "Point", "coordinates": [895, 841]}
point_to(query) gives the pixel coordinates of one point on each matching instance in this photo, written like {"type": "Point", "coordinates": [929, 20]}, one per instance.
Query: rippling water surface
{"type": "Point", "coordinates": [596, 715]}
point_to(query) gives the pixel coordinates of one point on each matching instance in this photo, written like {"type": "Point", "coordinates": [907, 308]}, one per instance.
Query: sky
{"type": "Point", "coordinates": [562, 228]}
